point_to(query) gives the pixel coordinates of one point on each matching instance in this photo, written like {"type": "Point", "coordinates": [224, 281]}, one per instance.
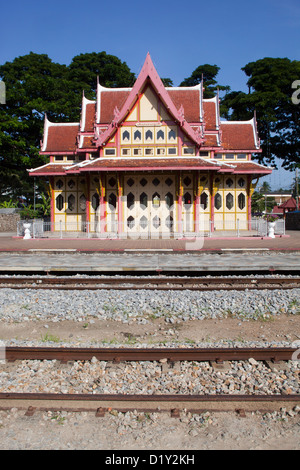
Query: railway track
{"type": "Point", "coordinates": [156, 282]}
{"type": "Point", "coordinates": [121, 354]}
{"type": "Point", "coordinates": [172, 403]}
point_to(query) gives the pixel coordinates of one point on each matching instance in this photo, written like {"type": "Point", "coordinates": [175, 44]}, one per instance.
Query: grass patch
{"type": "Point", "coordinates": [52, 338]}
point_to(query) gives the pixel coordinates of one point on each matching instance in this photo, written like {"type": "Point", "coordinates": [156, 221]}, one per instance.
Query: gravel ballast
{"type": "Point", "coordinates": [140, 305]}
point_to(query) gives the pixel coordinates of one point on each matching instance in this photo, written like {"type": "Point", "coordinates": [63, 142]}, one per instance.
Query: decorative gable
{"type": "Point", "coordinates": [148, 101]}
{"type": "Point", "coordinates": [149, 119]}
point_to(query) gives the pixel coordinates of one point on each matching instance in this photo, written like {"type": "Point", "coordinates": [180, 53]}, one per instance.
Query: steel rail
{"type": "Point", "coordinates": [218, 355]}
{"type": "Point", "coordinates": [101, 403]}
{"type": "Point", "coordinates": [159, 283]}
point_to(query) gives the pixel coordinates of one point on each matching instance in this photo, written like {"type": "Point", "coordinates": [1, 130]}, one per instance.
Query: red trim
{"type": "Point", "coordinates": [43, 173]}
{"type": "Point", "coordinates": [252, 172]}
{"type": "Point", "coordinates": [58, 153]}
{"type": "Point", "coordinates": [143, 168]}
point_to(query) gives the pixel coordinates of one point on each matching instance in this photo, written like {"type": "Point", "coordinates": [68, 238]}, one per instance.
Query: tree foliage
{"type": "Point", "coordinates": [208, 73]}
{"type": "Point", "coordinates": [36, 85]}
{"type": "Point", "coordinates": [111, 72]}
{"type": "Point", "coordinates": [270, 95]}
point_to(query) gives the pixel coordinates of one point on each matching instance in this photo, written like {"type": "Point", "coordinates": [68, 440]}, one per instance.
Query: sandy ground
{"type": "Point", "coordinates": [278, 329]}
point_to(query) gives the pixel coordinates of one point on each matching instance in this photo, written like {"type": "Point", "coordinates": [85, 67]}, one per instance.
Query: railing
{"type": "Point", "coordinates": [38, 228]}
{"type": "Point", "coordinates": [261, 226]}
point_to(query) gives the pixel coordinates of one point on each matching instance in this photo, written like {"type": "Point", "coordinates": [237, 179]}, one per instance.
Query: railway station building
{"type": "Point", "coordinates": [150, 161]}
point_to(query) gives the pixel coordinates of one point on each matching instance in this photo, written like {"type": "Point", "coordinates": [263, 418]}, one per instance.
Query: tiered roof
{"type": "Point", "coordinates": [198, 118]}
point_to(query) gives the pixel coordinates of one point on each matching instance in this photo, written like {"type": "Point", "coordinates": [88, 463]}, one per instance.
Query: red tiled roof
{"type": "Point", "coordinates": [49, 169]}
{"type": "Point", "coordinates": [209, 114]}
{"type": "Point", "coordinates": [60, 138]}
{"type": "Point", "coordinates": [289, 204]}
{"type": "Point", "coordinates": [190, 100]}
{"type": "Point", "coordinates": [210, 140]}
{"type": "Point", "coordinates": [133, 164]}
{"type": "Point", "coordinates": [88, 142]}
{"type": "Point", "coordinates": [277, 210]}
{"type": "Point", "coordinates": [250, 167]}
{"type": "Point", "coordinates": [109, 100]}
{"type": "Point", "coordinates": [138, 163]}
{"type": "Point", "coordinates": [237, 136]}
{"type": "Point", "coordinates": [90, 117]}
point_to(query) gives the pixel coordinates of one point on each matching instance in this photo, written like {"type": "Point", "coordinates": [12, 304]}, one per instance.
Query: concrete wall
{"type": "Point", "coordinates": [292, 221]}
{"type": "Point", "coordinates": [9, 219]}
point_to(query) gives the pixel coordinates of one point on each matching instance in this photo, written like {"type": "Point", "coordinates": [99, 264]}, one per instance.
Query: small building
{"type": "Point", "coordinates": [278, 196]}
{"type": "Point", "coordinates": [150, 161]}
{"type": "Point", "coordinates": [289, 205]}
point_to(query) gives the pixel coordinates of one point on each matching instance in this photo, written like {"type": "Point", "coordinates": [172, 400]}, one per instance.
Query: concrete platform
{"type": "Point", "coordinates": [124, 256]}
{"type": "Point", "coordinates": [97, 263]}
{"type": "Point", "coordinates": [289, 242]}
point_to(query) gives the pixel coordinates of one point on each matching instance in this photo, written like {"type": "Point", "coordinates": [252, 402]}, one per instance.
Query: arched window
{"type": "Point", "coordinates": [137, 135]}
{"type": "Point", "coordinates": [156, 221]}
{"type": "Point", "coordinates": [160, 135]}
{"type": "Point", "coordinates": [82, 203]}
{"type": "Point", "coordinates": [241, 201]}
{"type": "Point", "coordinates": [130, 222]}
{"type": "Point", "coordinates": [143, 201]}
{"type": "Point", "coordinates": [125, 136]}
{"type": "Point", "coordinates": [130, 201]}
{"type": "Point", "coordinates": [59, 184]}
{"type": "Point", "coordinates": [156, 200]}
{"type": "Point", "coordinates": [169, 200]}
{"type": "Point", "coordinates": [112, 201]}
{"type": "Point", "coordinates": [59, 202]}
{"type": "Point", "coordinates": [187, 200]}
{"type": "Point", "coordinates": [71, 184]}
{"type": "Point", "coordinates": [229, 201]}
{"type": "Point", "coordinates": [95, 201]}
{"type": "Point", "coordinates": [143, 222]}
{"type": "Point", "coordinates": [218, 201]}
{"type": "Point", "coordinates": [172, 134]}
{"type": "Point", "coordinates": [149, 135]}
{"type": "Point", "coordinates": [204, 200]}
{"type": "Point", "coordinates": [71, 202]}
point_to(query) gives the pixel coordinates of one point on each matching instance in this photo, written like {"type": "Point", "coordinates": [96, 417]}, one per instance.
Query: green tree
{"type": "Point", "coordinates": [270, 95]}
{"type": "Point", "coordinates": [208, 73]}
{"type": "Point", "coordinates": [265, 187]}
{"type": "Point", "coordinates": [111, 71]}
{"type": "Point", "coordinates": [35, 85]}
{"type": "Point", "coordinates": [260, 203]}
{"type": "Point", "coordinates": [167, 82]}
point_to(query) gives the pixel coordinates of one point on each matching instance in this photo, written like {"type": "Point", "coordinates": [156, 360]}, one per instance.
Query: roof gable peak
{"type": "Point", "coordinates": [148, 74]}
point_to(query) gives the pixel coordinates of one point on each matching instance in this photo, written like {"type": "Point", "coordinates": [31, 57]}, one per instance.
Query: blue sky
{"type": "Point", "coordinates": [179, 35]}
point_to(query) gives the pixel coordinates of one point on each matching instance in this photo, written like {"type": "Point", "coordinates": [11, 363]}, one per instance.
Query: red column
{"type": "Point", "coordinates": [249, 202]}
{"type": "Point", "coordinates": [212, 202]}
{"type": "Point", "coordinates": [120, 207]}
{"type": "Point", "coordinates": [102, 204]}
{"type": "Point", "coordinates": [52, 202]}
{"type": "Point", "coordinates": [180, 191]}
{"type": "Point", "coordinates": [87, 202]}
